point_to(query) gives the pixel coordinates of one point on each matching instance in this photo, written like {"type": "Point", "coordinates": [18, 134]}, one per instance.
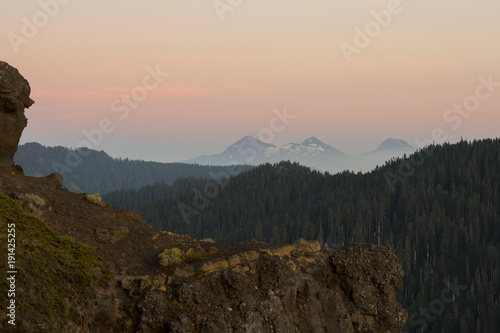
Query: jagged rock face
{"type": "Point", "coordinates": [14, 98]}
{"type": "Point", "coordinates": [290, 289]}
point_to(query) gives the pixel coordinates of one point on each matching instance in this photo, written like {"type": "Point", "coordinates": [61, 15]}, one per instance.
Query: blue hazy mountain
{"type": "Point", "coordinates": [312, 152]}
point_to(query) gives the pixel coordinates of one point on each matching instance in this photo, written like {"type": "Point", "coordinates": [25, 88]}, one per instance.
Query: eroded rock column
{"type": "Point", "coordinates": [14, 99]}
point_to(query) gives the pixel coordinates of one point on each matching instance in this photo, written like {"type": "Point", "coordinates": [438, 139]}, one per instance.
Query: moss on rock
{"type": "Point", "coordinates": [54, 273]}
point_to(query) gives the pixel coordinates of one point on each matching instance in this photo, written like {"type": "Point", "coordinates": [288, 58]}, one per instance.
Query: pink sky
{"type": "Point", "coordinates": [226, 76]}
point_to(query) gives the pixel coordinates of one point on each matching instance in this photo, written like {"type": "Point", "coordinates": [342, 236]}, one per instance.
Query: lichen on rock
{"type": "Point", "coordinates": [295, 288]}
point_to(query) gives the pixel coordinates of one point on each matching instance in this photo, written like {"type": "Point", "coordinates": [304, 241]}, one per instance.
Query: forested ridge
{"type": "Point", "coordinates": [91, 171]}
{"type": "Point", "coordinates": [442, 215]}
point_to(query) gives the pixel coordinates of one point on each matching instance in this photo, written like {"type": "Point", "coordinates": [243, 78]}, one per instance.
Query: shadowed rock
{"type": "Point", "coordinates": [14, 98]}
{"type": "Point", "coordinates": [295, 288]}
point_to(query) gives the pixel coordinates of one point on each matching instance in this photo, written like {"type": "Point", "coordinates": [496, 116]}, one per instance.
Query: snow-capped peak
{"type": "Point", "coordinates": [313, 141]}
{"type": "Point", "coordinates": [394, 144]}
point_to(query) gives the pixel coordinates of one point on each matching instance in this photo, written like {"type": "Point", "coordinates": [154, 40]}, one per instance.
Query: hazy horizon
{"type": "Point", "coordinates": [227, 145]}
{"type": "Point", "coordinates": [230, 71]}
{"type": "Point", "coordinates": [349, 154]}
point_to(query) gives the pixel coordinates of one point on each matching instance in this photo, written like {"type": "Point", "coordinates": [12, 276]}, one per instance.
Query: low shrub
{"type": "Point", "coordinates": [207, 240]}
{"type": "Point", "coordinates": [95, 199]}
{"type": "Point", "coordinates": [118, 234]}
{"type": "Point", "coordinates": [302, 241]}
{"type": "Point", "coordinates": [170, 256]}
{"type": "Point", "coordinates": [194, 254]}
{"type": "Point", "coordinates": [33, 203]}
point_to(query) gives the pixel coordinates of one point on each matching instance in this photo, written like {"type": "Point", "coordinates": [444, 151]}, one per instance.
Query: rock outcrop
{"type": "Point", "coordinates": [296, 288]}
{"type": "Point", "coordinates": [14, 98]}
{"type": "Point", "coordinates": [219, 288]}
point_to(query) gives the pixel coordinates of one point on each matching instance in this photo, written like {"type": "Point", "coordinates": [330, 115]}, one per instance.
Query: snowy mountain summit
{"type": "Point", "coordinates": [250, 150]}
{"type": "Point", "coordinates": [310, 148]}
{"type": "Point", "coordinates": [311, 152]}
{"type": "Point", "coordinates": [394, 145]}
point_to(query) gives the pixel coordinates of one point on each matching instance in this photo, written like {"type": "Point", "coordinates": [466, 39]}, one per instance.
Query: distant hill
{"type": "Point", "coordinates": [93, 171]}
{"type": "Point", "coordinates": [441, 213]}
{"type": "Point", "coordinates": [312, 152]}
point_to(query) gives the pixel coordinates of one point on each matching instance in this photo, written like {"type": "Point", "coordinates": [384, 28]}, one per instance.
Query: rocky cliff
{"type": "Point", "coordinates": [296, 288]}
{"type": "Point", "coordinates": [109, 278]}
{"type": "Point", "coordinates": [14, 98]}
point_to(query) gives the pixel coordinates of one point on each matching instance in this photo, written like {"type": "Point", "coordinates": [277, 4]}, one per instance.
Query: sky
{"type": "Point", "coordinates": [168, 80]}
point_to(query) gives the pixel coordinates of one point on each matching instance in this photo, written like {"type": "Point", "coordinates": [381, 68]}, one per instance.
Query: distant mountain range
{"type": "Point", "coordinates": [311, 152]}
{"type": "Point", "coordinates": [95, 171]}
{"type": "Point", "coordinates": [98, 172]}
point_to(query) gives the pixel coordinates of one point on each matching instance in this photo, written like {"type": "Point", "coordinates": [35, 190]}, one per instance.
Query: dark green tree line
{"type": "Point", "coordinates": [93, 171]}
